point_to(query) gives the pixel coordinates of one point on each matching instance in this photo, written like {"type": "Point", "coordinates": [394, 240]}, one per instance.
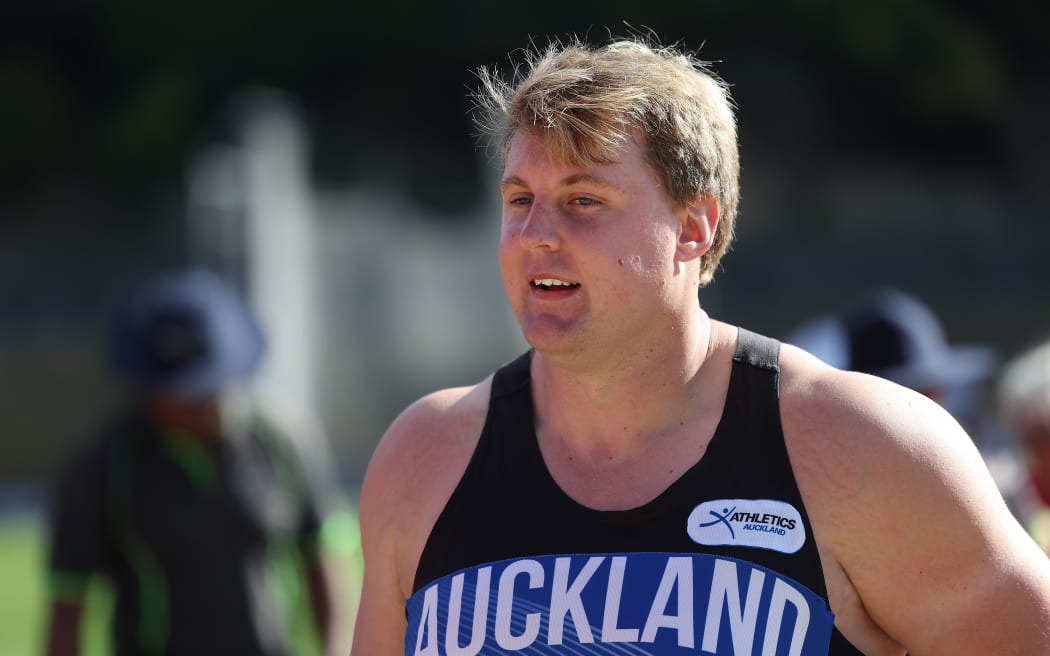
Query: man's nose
{"type": "Point", "coordinates": [539, 229]}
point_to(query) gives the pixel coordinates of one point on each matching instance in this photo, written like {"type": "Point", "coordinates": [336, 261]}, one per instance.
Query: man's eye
{"type": "Point", "coordinates": [520, 201]}
{"type": "Point", "coordinates": [585, 202]}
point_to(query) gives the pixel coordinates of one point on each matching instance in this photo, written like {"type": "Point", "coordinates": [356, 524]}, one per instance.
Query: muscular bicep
{"type": "Point", "coordinates": [913, 518]}
{"type": "Point", "coordinates": [951, 571]}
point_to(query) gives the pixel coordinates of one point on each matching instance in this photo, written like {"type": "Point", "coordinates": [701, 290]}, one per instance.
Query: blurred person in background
{"type": "Point", "coordinates": [646, 478]}
{"type": "Point", "coordinates": [894, 335]}
{"type": "Point", "coordinates": [1024, 397]}
{"type": "Point", "coordinates": [206, 517]}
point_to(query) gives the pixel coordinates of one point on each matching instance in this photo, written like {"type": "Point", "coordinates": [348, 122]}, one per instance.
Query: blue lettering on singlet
{"type": "Point", "coordinates": [660, 604]}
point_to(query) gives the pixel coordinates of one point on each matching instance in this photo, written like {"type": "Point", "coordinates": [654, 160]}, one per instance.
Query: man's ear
{"type": "Point", "coordinates": [699, 222]}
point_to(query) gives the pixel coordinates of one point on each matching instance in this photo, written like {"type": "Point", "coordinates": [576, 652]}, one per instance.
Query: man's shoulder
{"type": "Point", "coordinates": [813, 392]}
{"type": "Point", "coordinates": [433, 436]}
{"type": "Point", "coordinates": [414, 470]}
{"type": "Point", "coordinates": [878, 460]}
{"type": "Point", "coordinates": [444, 411]}
{"type": "Point", "coordinates": [849, 426]}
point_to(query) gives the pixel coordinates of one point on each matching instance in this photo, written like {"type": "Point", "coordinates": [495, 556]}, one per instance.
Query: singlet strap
{"type": "Point", "coordinates": [757, 350]}
{"type": "Point", "coordinates": [512, 376]}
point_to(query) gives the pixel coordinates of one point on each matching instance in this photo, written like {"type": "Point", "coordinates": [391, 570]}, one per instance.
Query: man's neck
{"type": "Point", "coordinates": [649, 391]}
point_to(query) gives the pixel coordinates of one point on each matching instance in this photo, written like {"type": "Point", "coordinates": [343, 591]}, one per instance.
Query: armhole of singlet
{"type": "Point", "coordinates": [764, 353]}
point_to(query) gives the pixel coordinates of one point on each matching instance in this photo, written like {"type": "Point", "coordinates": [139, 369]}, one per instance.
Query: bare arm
{"type": "Point", "coordinates": [381, 621]}
{"type": "Point", "coordinates": [63, 631]}
{"type": "Point", "coordinates": [906, 505]}
{"type": "Point", "coordinates": [411, 475]}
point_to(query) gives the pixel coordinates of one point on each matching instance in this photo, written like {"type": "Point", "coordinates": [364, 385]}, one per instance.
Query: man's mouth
{"type": "Point", "coordinates": [553, 283]}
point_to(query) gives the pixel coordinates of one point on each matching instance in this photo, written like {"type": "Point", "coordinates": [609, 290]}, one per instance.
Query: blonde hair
{"type": "Point", "coordinates": [591, 101]}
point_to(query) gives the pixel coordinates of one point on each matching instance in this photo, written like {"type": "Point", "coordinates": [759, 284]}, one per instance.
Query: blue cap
{"type": "Point", "coordinates": [894, 335]}
{"type": "Point", "coordinates": [188, 334]}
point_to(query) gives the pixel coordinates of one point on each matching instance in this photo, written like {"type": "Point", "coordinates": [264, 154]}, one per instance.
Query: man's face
{"type": "Point", "coordinates": [588, 254]}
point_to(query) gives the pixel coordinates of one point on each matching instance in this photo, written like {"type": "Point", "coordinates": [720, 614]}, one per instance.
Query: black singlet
{"type": "Point", "coordinates": [722, 562]}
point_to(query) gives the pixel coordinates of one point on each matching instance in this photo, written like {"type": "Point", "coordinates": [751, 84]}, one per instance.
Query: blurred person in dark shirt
{"type": "Point", "coordinates": [196, 505]}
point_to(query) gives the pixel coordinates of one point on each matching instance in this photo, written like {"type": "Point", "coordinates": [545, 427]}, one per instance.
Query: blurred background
{"type": "Point", "coordinates": [322, 155]}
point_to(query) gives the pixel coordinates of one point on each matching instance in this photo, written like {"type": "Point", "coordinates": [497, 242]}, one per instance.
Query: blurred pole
{"type": "Point", "coordinates": [216, 210]}
{"type": "Point", "coordinates": [252, 219]}
{"type": "Point", "coordinates": [280, 236]}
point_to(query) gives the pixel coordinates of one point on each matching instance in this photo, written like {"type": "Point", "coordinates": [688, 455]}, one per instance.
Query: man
{"type": "Point", "coordinates": [647, 479]}
{"type": "Point", "coordinates": [191, 501]}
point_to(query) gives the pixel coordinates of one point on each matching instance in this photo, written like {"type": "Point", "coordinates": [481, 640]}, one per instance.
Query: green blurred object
{"type": "Point", "coordinates": [22, 594]}
{"type": "Point", "coordinates": [23, 603]}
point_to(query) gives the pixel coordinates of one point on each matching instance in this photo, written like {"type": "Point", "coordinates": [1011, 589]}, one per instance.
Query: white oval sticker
{"type": "Point", "coordinates": [760, 523]}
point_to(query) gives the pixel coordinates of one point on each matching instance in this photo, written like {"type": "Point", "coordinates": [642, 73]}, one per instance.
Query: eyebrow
{"type": "Point", "coordinates": [578, 178]}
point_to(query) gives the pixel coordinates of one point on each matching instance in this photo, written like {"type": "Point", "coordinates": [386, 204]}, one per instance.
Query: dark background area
{"type": "Point", "coordinates": [883, 143]}
{"type": "Point", "coordinates": [112, 96]}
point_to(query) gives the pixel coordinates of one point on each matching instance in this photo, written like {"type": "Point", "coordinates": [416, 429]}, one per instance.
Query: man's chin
{"type": "Point", "coordinates": [546, 335]}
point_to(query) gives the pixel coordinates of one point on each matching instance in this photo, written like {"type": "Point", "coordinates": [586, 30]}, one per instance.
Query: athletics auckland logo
{"type": "Point", "coordinates": [760, 523]}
